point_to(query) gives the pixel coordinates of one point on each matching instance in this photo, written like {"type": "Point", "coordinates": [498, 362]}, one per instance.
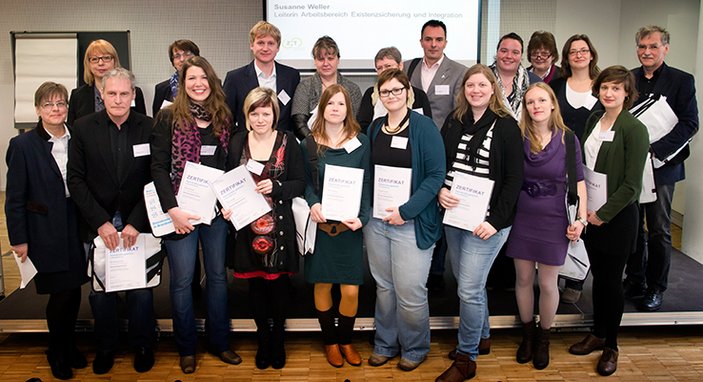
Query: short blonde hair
{"type": "Point", "coordinates": [261, 97]}
{"type": "Point", "coordinates": [97, 47]}
{"type": "Point", "coordinates": [264, 28]}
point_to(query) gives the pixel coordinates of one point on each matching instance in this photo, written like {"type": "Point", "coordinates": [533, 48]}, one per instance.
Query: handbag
{"type": "Point", "coordinates": [576, 263]}
{"type": "Point", "coordinates": [305, 228]}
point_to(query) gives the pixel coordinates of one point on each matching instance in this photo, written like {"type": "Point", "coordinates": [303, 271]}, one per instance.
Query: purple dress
{"type": "Point", "coordinates": [539, 229]}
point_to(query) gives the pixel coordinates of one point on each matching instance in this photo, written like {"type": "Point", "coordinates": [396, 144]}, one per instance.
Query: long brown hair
{"type": "Point", "coordinates": [351, 126]}
{"type": "Point", "coordinates": [556, 122]}
{"type": "Point", "coordinates": [495, 103]}
{"type": "Point", "coordinates": [215, 104]}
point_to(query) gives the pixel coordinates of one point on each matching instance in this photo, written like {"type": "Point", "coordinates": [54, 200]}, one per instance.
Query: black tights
{"type": "Point", "coordinates": [61, 315]}
{"type": "Point", "coordinates": [608, 298]}
{"type": "Point", "coordinates": [269, 298]}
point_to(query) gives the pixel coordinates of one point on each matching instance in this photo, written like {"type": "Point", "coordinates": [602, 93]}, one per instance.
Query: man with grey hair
{"type": "Point", "coordinates": [371, 107]}
{"type": "Point", "coordinates": [648, 268]}
{"type": "Point", "coordinates": [109, 163]}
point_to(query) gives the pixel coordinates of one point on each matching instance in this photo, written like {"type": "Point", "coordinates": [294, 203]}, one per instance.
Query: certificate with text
{"type": "Point", "coordinates": [391, 188]}
{"type": "Point", "coordinates": [195, 194]}
{"type": "Point", "coordinates": [596, 188]}
{"type": "Point", "coordinates": [160, 221]}
{"type": "Point", "coordinates": [236, 191]}
{"type": "Point", "coordinates": [341, 193]}
{"type": "Point", "coordinates": [125, 268]}
{"type": "Point", "coordinates": [474, 195]}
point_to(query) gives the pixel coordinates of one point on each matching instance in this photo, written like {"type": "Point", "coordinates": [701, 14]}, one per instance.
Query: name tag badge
{"type": "Point", "coordinates": [607, 136]}
{"type": "Point", "coordinates": [352, 145]}
{"type": "Point", "coordinates": [283, 97]}
{"type": "Point", "coordinates": [207, 150]}
{"type": "Point", "coordinates": [441, 89]}
{"type": "Point", "coordinates": [141, 150]}
{"type": "Point", "coordinates": [254, 167]}
{"type": "Point", "coordinates": [399, 142]}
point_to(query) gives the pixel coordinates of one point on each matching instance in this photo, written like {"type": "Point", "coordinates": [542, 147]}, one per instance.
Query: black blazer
{"type": "Point", "coordinates": [82, 103]}
{"type": "Point", "coordinates": [92, 174]}
{"type": "Point", "coordinates": [162, 92]}
{"type": "Point", "coordinates": [35, 202]}
{"type": "Point", "coordinates": [240, 82]}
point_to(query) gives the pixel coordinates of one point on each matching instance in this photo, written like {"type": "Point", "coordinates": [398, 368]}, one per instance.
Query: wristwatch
{"type": "Point", "coordinates": [582, 221]}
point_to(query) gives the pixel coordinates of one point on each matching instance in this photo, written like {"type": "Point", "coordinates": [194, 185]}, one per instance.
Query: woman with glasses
{"type": "Point", "coordinates": [165, 92]}
{"type": "Point", "coordinates": [338, 256]}
{"type": "Point", "coordinates": [196, 128]}
{"type": "Point", "coordinates": [512, 78]}
{"type": "Point", "coordinates": [265, 251]}
{"type": "Point", "coordinates": [482, 140]}
{"type": "Point", "coordinates": [542, 54]}
{"type": "Point", "coordinates": [579, 64]}
{"type": "Point", "coordinates": [42, 224]}
{"type": "Point", "coordinates": [307, 95]}
{"type": "Point", "coordinates": [400, 238]}
{"type": "Point", "coordinates": [100, 57]}
{"type": "Point", "coordinates": [615, 144]}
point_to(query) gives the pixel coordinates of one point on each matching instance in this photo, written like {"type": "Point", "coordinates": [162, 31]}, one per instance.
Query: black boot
{"type": "Point", "coordinates": [278, 348]}
{"type": "Point", "coordinates": [329, 331]}
{"type": "Point", "coordinates": [344, 333]}
{"type": "Point", "coordinates": [540, 358]}
{"type": "Point", "coordinates": [524, 352]}
{"type": "Point", "coordinates": [263, 352]}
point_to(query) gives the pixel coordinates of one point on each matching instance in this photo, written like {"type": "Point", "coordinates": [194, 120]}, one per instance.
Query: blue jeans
{"type": "Point", "coordinates": [400, 268]}
{"type": "Point", "coordinates": [471, 259]}
{"type": "Point", "coordinates": [182, 255]}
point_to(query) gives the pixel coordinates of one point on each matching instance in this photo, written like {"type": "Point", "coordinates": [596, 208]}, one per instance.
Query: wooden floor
{"type": "Point", "coordinates": [646, 354]}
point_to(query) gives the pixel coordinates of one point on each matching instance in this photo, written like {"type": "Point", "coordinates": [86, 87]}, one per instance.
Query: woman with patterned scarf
{"type": "Point", "coordinates": [265, 252]}
{"type": "Point", "coordinates": [511, 76]}
{"type": "Point", "coordinates": [196, 128]}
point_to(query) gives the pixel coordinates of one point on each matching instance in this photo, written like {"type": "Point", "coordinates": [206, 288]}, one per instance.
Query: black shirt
{"type": "Point", "coordinates": [211, 153]}
{"type": "Point", "coordinates": [646, 85]}
{"type": "Point", "coordinates": [384, 154]}
{"type": "Point", "coordinates": [119, 147]}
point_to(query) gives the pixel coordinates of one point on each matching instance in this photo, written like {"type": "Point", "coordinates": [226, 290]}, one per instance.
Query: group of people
{"type": "Point", "coordinates": [81, 172]}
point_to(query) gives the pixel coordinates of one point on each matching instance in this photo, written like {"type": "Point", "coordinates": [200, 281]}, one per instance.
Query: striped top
{"type": "Point", "coordinates": [461, 162]}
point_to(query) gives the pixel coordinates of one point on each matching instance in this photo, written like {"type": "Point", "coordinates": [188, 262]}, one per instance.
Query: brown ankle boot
{"type": "Point", "coordinates": [334, 356]}
{"type": "Point", "coordinates": [524, 352]}
{"type": "Point", "coordinates": [540, 356]}
{"type": "Point", "coordinates": [462, 369]}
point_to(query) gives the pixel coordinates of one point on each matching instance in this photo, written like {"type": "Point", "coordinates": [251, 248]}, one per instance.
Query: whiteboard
{"type": "Point", "coordinates": [39, 59]}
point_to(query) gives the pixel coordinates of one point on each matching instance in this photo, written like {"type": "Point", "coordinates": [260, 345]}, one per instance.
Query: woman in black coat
{"type": "Point", "coordinates": [42, 225]}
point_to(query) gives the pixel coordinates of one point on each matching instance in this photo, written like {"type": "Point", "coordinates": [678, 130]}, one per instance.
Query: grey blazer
{"type": "Point", "coordinates": [449, 73]}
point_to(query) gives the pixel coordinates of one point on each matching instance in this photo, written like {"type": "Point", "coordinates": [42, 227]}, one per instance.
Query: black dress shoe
{"type": "Point", "coordinates": [608, 362]}
{"type": "Point", "coordinates": [103, 362]}
{"type": "Point", "coordinates": [633, 290]}
{"type": "Point", "coordinates": [60, 367]}
{"type": "Point", "coordinates": [143, 359]}
{"type": "Point", "coordinates": [651, 302]}
{"type": "Point", "coordinates": [587, 345]}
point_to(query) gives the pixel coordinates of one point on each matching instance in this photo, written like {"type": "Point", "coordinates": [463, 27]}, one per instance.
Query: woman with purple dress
{"type": "Point", "coordinates": [541, 230]}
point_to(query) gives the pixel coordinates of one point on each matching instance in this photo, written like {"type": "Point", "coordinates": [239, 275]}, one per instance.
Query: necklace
{"type": "Point", "coordinates": [395, 130]}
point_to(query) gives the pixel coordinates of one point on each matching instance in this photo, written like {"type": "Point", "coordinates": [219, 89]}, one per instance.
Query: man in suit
{"type": "Point", "coordinates": [264, 42]}
{"type": "Point", "coordinates": [108, 166]}
{"type": "Point", "coordinates": [435, 73]}
{"type": "Point", "coordinates": [648, 268]}
{"type": "Point", "coordinates": [164, 92]}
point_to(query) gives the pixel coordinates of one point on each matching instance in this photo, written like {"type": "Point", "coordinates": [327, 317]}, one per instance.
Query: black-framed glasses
{"type": "Point", "coordinates": [96, 59]}
{"type": "Point", "coordinates": [540, 55]}
{"type": "Point", "coordinates": [48, 106]}
{"type": "Point", "coordinates": [582, 52]}
{"type": "Point", "coordinates": [394, 91]}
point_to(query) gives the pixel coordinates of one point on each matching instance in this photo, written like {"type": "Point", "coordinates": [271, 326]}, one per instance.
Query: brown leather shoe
{"type": "Point", "coordinates": [587, 345]}
{"type": "Point", "coordinates": [462, 369]}
{"type": "Point", "coordinates": [484, 347]}
{"type": "Point", "coordinates": [608, 362]}
{"type": "Point", "coordinates": [350, 354]}
{"type": "Point", "coordinates": [334, 356]}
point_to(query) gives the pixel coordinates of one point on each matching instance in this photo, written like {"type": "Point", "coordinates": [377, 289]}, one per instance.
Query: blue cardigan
{"type": "Point", "coordinates": [428, 170]}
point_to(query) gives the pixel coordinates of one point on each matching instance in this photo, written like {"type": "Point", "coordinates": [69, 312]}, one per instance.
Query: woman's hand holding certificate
{"type": "Point", "coordinates": [238, 194]}
{"type": "Point", "coordinates": [341, 192]}
{"type": "Point", "coordinates": [473, 194]}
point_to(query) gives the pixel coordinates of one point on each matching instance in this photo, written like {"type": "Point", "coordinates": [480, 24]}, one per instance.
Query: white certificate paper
{"type": "Point", "coordinates": [391, 188]}
{"type": "Point", "coordinates": [596, 188]}
{"type": "Point", "coordinates": [341, 192]}
{"type": "Point", "coordinates": [474, 195]}
{"type": "Point", "coordinates": [160, 221]}
{"type": "Point", "coordinates": [195, 194]}
{"type": "Point", "coordinates": [236, 191]}
{"type": "Point", "coordinates": [125, 268]}
{"type": "Point", "coordinates": [27, 270]}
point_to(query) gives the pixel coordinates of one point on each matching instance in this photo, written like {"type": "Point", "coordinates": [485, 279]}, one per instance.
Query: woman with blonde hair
{"type": "Point", "coordinates": [541, 230]}
{"type": "Point", "coordinates": [338, 258]}
{"type": "Point", "coordinates": [100, 58]}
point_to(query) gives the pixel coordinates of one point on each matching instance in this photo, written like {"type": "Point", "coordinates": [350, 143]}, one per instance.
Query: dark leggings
{"type": "Point", "coordinates": [61, 315]}
{"type": "Point", "coordinates": [270, 298]}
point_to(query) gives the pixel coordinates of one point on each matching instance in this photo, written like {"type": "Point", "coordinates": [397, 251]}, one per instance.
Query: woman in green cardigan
{"type": "Point", "coordinates": [616, 145]}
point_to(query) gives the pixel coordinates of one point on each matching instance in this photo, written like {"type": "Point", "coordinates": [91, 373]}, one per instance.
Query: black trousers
{"type": "Point", "coordinates": [61, 315]}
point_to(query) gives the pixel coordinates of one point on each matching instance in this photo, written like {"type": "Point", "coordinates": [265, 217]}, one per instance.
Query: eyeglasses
{"type": "Point", "coordinates": [184, 55]}
{"type": "Point", "coordinates": [540, 55]}
{"type": "Point", "coordinates": [96, 59]}
{"type": "Point", "coordinates": [395, 92]}
{"type": "Point", "coordinates": [582, 52]}
{"type": "Point", "coordinates": [48, 106]}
